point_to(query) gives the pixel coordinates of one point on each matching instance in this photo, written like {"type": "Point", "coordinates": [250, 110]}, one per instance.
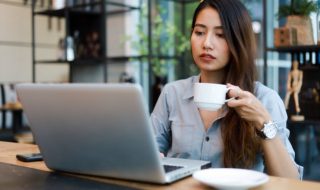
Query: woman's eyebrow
{"type": "Point", "coordinates": [204, 26]}
{"type": "Point", "coordinates": [200, 25]}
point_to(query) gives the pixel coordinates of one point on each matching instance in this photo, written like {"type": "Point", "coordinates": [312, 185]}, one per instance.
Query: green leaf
{"type": "Point", "coordinates": [297, 7]}
{"type": "Point", "coordinates": [166, 38]}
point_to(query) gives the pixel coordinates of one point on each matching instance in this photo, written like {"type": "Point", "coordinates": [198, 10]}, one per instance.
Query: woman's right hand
{"type": "Point", "coordinates": [248, 106]}
{"type": "Point", "coordinates": [161, 155]}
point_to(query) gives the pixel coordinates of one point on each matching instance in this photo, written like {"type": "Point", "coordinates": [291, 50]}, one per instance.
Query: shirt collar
{"type": "Point", "coordinates": [189, 90]}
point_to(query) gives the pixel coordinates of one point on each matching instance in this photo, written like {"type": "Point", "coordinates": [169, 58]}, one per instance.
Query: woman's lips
{"type": "Point", "coordinates": [207, 57]}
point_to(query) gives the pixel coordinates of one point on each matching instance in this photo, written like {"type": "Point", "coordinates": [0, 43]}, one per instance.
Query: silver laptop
{"type": "Point", "coordinates": [99, 129]}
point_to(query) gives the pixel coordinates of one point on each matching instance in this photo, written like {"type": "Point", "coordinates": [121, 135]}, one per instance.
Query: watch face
{"type": "Point", "coordinates": [270, 130]}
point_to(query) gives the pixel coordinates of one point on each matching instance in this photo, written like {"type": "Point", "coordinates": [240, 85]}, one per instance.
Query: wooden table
{"type": "Point", "coordinates": [8, 152]}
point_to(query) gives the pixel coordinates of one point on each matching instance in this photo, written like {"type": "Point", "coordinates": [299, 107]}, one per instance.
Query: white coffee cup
{"type": "Point", "coordinates": [210, 96]}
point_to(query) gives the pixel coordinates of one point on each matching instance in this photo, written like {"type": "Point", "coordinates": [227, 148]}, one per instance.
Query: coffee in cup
{"type": "Point", "coordinates": [210, 96]}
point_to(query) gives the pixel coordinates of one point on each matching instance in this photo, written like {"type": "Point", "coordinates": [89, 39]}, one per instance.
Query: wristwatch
{"type": "Point", "coordinates": [268, 131]}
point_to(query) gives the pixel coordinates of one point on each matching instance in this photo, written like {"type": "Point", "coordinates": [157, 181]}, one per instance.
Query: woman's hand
{"type": "Point", "coordinates": [248, 106]}
{"type": "Point", "coordinates": [277, 159]}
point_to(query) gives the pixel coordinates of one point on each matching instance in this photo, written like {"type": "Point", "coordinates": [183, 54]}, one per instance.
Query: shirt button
{"type": "Point", "coordinates": [207, 138]}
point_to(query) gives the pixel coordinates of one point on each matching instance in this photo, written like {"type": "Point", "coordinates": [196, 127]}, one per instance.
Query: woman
{"type": "Point", "coordinates": [223, 48]}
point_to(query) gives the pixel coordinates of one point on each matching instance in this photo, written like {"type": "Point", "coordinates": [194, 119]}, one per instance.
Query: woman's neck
{"type": "Point", "coordinates": [212, 77]}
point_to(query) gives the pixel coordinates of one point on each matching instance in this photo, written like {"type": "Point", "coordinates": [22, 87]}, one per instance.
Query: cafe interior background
{"type": "Point", "coordinates": [146, 42]}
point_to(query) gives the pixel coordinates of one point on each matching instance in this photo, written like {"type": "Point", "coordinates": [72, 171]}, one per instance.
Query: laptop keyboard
{"type": "Point", "coordinates": [169, 168]}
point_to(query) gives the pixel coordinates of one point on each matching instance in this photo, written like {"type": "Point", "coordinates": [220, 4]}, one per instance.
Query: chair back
{"type": "Point", "coordinates": [2, 102]}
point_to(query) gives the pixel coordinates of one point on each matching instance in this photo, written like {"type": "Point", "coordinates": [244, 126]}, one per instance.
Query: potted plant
{"type": "Point", "coordinates": [168, 42]}
{"type": "Point", "coordinates": [297, 14]}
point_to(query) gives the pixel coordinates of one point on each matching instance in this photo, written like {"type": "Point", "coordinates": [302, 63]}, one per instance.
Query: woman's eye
{"type": "Point", "coordinates": [199, 33]}
{"type": "Point", "coordinates": [220, 35]}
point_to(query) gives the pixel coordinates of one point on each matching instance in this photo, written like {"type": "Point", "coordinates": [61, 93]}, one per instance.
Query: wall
{"type": "Point", "coordinates": [15, 44]}
{"type": "Point", "coordinates": [16, 51]}
{"type": "Point", "coordinates": [119, 27]}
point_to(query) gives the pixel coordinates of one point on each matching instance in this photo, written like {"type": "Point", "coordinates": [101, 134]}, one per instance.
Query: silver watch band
{"type": "Point", "coordinates": [268, 131]}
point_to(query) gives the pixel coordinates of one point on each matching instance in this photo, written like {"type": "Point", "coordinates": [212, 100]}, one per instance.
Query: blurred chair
{"type": "Point", "coordinates": [3, 111]}
{"type": "Point", "coordinates": [14, 126]}
{"type": "Point", "coordinates": [8, 105]}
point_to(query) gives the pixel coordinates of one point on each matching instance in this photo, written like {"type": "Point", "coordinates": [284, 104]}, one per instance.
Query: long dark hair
{"type": "Point", "coordinates": [240, 142]}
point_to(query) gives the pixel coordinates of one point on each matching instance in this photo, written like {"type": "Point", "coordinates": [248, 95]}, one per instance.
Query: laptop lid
{"type": "Point", "coordinates": [96, 129]}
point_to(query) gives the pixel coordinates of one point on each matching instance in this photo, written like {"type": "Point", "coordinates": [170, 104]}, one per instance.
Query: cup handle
{"type": "Point", "coordinates": [233, 98]}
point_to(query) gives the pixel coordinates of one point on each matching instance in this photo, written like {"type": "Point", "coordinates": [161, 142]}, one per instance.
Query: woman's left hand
{"type": "Point", "coordinates": [248, 106]}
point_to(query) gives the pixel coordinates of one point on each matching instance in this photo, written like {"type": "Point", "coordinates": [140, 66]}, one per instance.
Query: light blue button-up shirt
{"type": "Point", "coordinates": [180, 131]}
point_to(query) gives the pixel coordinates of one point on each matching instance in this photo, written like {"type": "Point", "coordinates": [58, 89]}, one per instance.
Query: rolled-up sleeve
{"type": "Point", "coordinates": [276, 109]}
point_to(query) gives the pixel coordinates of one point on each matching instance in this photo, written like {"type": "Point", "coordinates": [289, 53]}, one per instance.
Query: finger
{"type": "Point", "coordinates": [235, 91]}
{"type": "Point", "coordinates": [236, 102]}
{"type": "Point", "coordinates": [245, 99]}
{"type": "Point", "coordinates": [231, 87]}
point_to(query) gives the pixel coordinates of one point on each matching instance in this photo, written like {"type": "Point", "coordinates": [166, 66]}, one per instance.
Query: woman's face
{"type": "Point", "coordinates": [209, 47]}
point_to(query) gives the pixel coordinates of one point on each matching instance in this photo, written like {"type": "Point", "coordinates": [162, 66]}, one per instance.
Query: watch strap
{"type": "Point", "coordinates": [261, 134]}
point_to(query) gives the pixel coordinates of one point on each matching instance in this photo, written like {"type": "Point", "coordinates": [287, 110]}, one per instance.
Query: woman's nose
{"type": "Point", "coordinates": [207, 44]}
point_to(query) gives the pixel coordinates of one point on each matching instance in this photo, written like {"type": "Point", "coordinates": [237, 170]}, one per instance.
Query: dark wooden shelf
{"type": "Point", "coordinates": [94, 61]}
{"type": "Point", "coordinates": [61, 12]}
{"type": "Point", "coordinates": [52, 61]}
{"type": "Point", "coordinates": [101, 60]}
{"type": "Point", "coordinates": [123, 58]}
{"type": "Point", "coordinates": [87, 61]}
{"type": "Point", "coordinates": [289, 49]}
{"type": "Point", "coordinates": [184, 1]}
{"type": "Point", "coordinates": [122, 5]}
{"type": "Point", "coordinates": [126, 58]}
{"type": "Point", "coordinates": [305, 122]}
{"type": "Point", "coordinates": [112, 8]}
